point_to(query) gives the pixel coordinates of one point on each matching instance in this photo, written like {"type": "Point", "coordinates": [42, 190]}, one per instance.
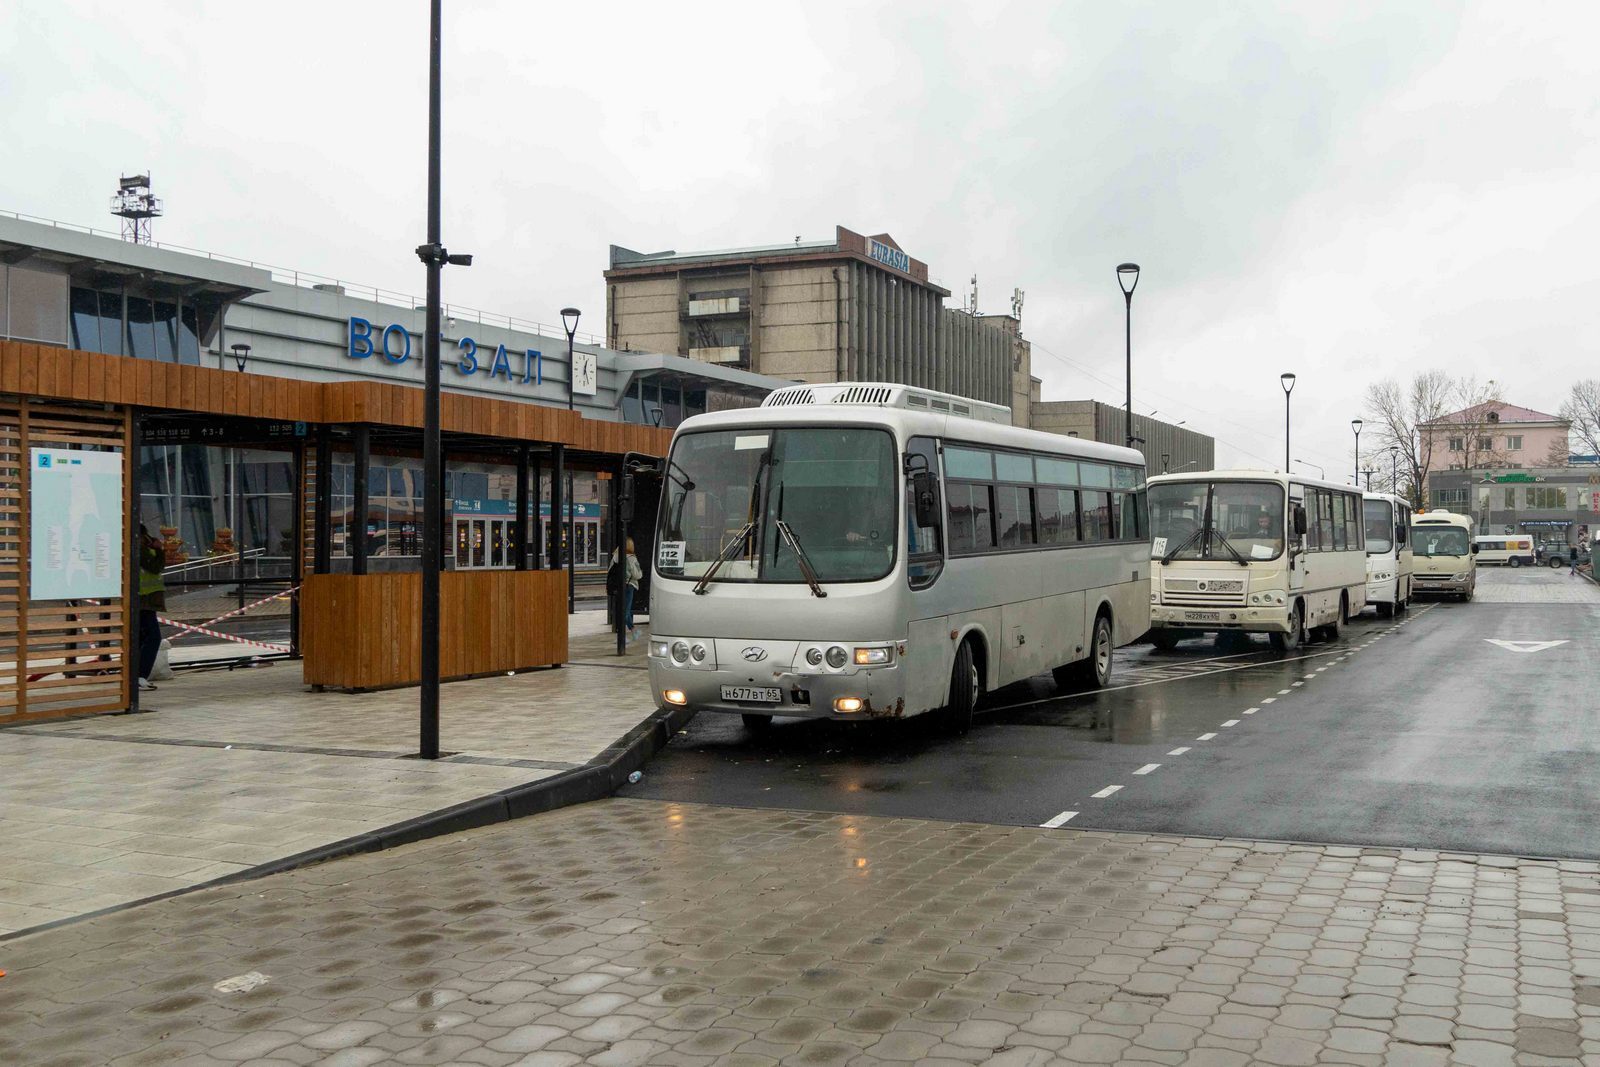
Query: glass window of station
{"type": "Point", "coordinates": [119, 323]}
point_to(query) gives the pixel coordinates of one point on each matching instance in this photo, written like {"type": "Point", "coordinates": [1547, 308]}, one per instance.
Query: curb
{"type": "Point", "coordinates": [596, 780]}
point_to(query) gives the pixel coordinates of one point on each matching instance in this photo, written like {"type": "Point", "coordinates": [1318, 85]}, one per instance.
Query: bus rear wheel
{"type": "Point", "coordinates": [966, 686]}
{"type": "Point", "coordinates": [1290, 641]}
{"type": "Point", "coordinates": [1330, 631]}
{"type": "Point", "coordinates": [1094, 671]}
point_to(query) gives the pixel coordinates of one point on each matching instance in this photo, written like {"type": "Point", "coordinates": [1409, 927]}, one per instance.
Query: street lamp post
{"type": "Point", "coordinates": [1394, 469]}
{"type": "Point", "coordinates": [1128, 279]}
{"type": "Point", "coordinates": [434, 256]}
{"type": "Point", "coordinates": [1321, 473]}
{"type": "Point", "coordinates": [569, 320]}
{"type": "Point", "coordinates": [1355, 424]}
{"type": "Point", "coordinates": [1287, 381]}
{"type": "Point", "coordinates": [241, 353]}
{"type": "Point", "coordinates": [1369, 472]}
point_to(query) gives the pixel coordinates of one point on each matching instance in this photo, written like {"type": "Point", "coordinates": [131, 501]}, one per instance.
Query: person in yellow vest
{"type": "Point", "coordinates": [152, 599]}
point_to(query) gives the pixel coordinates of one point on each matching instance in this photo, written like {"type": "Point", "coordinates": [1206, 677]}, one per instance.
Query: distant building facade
{"type": "Point", "coordinates": [1494, 436]}
{"type": "Point", "coordinates": [856, 308]}
{"type": "Point", "coordinates": [1551, 503]}
{"type": "Point", "coordinates": [1166, 447]}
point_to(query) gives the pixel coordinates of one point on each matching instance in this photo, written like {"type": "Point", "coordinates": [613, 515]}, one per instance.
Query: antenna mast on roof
{"type": "Point", "coordinates": [1016, 304]}
{"type": "Point", "coordinates": [135, 205]}
{"type": "Point", "coordinates": [972, 298]}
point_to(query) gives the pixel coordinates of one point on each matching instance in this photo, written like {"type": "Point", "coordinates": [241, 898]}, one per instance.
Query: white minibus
{"type": "Point", "coordinates": [1444, 556]}
{"type": "Point", "coordinates": [1389, 559]}
{"type": "Point", "coordinates": [1254, 552]}
{"type": "Point", "coordinates": [863, 550]}
{"type": "Point", "coordinates": [1508, 550]}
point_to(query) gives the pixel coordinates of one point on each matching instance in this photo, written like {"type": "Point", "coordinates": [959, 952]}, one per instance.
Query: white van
{"type": "Point", "coordinates": [1510, 550]}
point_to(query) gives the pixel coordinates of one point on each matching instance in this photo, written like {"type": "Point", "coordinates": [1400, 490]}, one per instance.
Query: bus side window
{"type": "Point", "coordinates": [924, 544]}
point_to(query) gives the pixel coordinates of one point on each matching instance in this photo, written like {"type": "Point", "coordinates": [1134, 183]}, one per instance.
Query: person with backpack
{"type": "Point", "coordinates": [625, 575]}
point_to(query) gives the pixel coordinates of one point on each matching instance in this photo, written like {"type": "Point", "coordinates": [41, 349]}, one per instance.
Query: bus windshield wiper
{"type": "Point", "coordinates": [1181, 545]}
{"type": "Point", "coordinates": [801, 558]}
{"type": "Point", "coordinates": [722, 557]}
{"type": "Point", "coordinates": [1217, 535]}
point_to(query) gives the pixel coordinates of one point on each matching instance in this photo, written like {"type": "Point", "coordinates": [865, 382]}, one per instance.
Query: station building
{"type": "Point", "coordinates": [269, 429]}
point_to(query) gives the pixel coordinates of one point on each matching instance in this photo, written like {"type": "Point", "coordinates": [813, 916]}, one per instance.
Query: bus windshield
{"type": "Point", "coordinates": [1245, 521]}
{"type": "Point", "coordinates": [1439, 541]}
{"type": "Point", "coordinates": [1380, 526]}
{"type": "Point", "coordinates": [834, 488]}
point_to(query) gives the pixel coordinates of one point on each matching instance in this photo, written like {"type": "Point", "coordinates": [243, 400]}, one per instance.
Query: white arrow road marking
{"type": "Point", "coordinates": [1058, 820]}
{"type": "Point", "coordinates": [1524, 646]}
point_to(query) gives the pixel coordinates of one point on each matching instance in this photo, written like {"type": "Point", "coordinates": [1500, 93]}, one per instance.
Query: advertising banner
{"type": "Point", "coordinates": [76, 538]}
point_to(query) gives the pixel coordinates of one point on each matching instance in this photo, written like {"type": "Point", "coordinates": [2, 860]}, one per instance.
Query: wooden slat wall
{"type": "Point", "coordinates": [59, 658]}
{"type": "Point", "coordinates": [364, 631]}
{"type": "Point", "coordinates": [65, 374]}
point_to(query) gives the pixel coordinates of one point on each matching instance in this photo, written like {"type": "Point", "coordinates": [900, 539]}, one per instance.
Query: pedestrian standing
{"type": "Point", "coordinates": [152, 599]}
{"type": "Point", "coordinates": [631, 574]}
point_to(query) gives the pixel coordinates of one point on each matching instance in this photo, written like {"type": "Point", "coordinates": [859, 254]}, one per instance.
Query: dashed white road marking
{"type": "Point", "coordinates": [1058, 820]}
{"type": "Point", "coordinates": [1107, 791]}
{"type": "Point", "coordinates": [1296, 685]}
{"type": "Point", "coordinates": [1269, 700]}
{"type": "Point", "coordinates": [1179, 751]}
{"type": "Point", "coordinates": [1283, 692]}
{"type": "Point", "coordinates": [1205, 737]}
{"type": "Point", "coordinates": [1147, 768]}
{"type": "Point", "coordinates": [1251, 711]}
{"type": "Point", "coordinates": [1231, 722]}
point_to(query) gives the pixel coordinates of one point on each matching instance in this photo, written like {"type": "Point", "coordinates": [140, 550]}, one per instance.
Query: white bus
{"type": "Point", "coordinates": [853, 551]}
{"type": "Point", "coordinates": [1505, 550]}
{"type": "Point", "coordinates": [1389, 559]}
{"type": "Point", "coordinates": [1254, 552]}
{"type": "Point", "coordinates": [1445, 556]}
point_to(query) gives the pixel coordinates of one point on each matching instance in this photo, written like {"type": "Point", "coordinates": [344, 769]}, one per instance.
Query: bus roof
{"type": "Point", "coordinates": [1388, 498]}
{"type": "Point", "coordinates": [911, 423]}
{"type": "Point", "coordinates": [1440, 517]}
{"type": "Point", "coordinates": [1275, 477]}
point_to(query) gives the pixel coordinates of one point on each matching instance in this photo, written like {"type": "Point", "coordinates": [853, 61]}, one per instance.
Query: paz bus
{"type": "Point", "coordinates": [1445, 556]}
{"type": "Point", "coordinates": [1389, 559]}
{"type": "Point", "coordinates": [863, 550]}
{"type": "Point", "coordinates": [1254, 552]}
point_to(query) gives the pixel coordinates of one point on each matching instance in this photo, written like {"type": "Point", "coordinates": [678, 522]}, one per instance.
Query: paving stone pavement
{"type": "Point", "coordinates": [632, 931]}
{"type": "Point", "coordinates": [1533, 585]}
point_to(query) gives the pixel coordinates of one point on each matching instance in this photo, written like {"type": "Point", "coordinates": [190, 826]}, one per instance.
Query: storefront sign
{"type": "Point", "coordinates": [76, 541]}
{"type": "Point", "coordinates": [889, 255]}
{"type": "Point", "coordinates": [509, 507]}
{"type": "Point", "coordinates": [1502, 478]}
{"type": "Point", "coordinates": [392, 345]}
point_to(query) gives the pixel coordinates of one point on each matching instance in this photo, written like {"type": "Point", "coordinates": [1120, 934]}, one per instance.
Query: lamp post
{"type": "Point", "coordinates": [1394, 469]}
{"type": "Point", "coordinates": [1369, 472]}
{"type": "Point", "coordinates": [1128, 279]}
{"type": "Point", "coordinates": [1355, 424]}
{"type": "Point", "coordinates": [241, 353]}
{"type": "Point", "coordinates": [569, 320]}
{"type": "Point", "coordinates": [1287, 381]}
{"type": "Point", "coordinates": [434, 256]}
{"type": "Point", "coordinates": [1321, 473]}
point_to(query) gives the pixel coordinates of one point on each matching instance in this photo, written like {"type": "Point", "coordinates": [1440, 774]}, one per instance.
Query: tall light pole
{"type": "Point", "coordinates": [1128, 279]}
{"type": "Point", "coordinates": [1321, 473]}
{"type": "Point", "coordinates": [1355, 424]}
{"type": "Point", "coordinates": [569, 321]}
{"type": "Point", "coordinates": [1394, 469]}
{"type": "Point", "coordinates": [434, 255]}
{"type": "Point", "coordinates": [1369, 472]}
{"type": "Point", "coordinates": [1287, 381]}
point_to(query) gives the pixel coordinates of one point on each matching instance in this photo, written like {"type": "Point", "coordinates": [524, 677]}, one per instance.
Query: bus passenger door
{"type": "Point", "coordinates": [1298, 543]}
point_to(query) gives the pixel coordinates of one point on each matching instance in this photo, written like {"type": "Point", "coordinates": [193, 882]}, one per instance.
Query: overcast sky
{"type": "Point", "coordinates": [1342, 191]}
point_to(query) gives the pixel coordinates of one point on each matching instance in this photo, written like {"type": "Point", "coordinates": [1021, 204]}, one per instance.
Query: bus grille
{"type": "Point", "coordinates": [1224, 591]}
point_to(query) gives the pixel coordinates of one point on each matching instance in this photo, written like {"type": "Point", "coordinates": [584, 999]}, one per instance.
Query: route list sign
{"type": "Point", "coordinates": [75, 500]}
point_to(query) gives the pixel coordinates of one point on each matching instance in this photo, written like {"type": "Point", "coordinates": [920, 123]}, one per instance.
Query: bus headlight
{"type": "Point", "coordinates": [658, 649]}
{"type": "Point", "coordinates": [814, 656]}
{"type": "Point", "coordinates": [680, 651]}
{"type": "Point", "coordinates": [866, 657]}
{"type": "Point", "coordinates": [698, 653]}
{"type": "Point", "coordinates": [837, 657]}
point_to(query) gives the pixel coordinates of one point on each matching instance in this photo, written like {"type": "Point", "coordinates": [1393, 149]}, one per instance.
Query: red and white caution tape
{"type": "Point", "coordinates": [226, 637]}
{"type": "Point", "coordinates": [231, 614]}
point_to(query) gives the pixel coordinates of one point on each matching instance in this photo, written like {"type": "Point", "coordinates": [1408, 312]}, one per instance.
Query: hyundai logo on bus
{"type": "Point", "coordinates": [888, 254]}
{"type": "Point", "coordinates": [393, 343]}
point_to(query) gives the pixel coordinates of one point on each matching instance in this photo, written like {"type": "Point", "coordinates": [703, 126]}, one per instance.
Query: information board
{"type": "Point", "coordinates": [76, 537]}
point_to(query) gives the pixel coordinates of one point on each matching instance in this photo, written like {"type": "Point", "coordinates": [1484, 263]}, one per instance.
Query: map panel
{"type": "Point", "coordinates": [77, 543]}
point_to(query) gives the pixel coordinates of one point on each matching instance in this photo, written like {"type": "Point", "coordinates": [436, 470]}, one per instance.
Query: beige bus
{"type": "Point", "coordinates": [1444, 556]}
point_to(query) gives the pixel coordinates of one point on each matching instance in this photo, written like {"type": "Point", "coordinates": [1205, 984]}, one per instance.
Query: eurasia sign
{"type": "Point", "coordinates": [889, 255]}
{"type": "Point", "coordinates": [393, 345]}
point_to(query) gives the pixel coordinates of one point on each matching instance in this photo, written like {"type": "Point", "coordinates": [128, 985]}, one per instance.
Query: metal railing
{"type": "Point", "coordinates": [307, 280]}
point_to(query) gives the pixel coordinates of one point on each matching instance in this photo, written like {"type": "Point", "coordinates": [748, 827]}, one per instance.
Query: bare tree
{"type": "Point", "coordinates": [1560, 453]}
{"type": "Point", "coordinates": [1477, 423]}
{"type": "Point", "coordinates": [1582, 409]}
{"type": "Point", "coordinates": [1398, 413]}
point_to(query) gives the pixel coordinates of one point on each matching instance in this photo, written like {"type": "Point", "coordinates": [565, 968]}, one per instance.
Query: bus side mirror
{"type": "Point", "coordinates": [1300, 520]}
{"type": "Point", "coordinates": [1475, 548]}
{"type": "Point", "coordinates": [625, 497]}
{"type": "Point", "coordinates": [925, 493]}
{"type": "Point", "coordinates": [1399, 535]}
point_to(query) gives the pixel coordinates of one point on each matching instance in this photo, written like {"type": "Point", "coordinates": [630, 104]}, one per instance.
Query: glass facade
{"type": "Point", "coordinates": [649, 402]}
{"type": "Point", "coordinates": [206, 501]}
{"type": "Point", "coordinates": [116, 324]}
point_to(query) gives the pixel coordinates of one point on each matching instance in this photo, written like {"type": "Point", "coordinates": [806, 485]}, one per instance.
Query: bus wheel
{"type": "Point", "coordinates": [756, 724]}
{"type": "Point", "coordinates": [965, 688]}
{"type": "Point", "coordinates": [1095, 671]}
{"type": "Point", "coordinates": [1164, 640]}
{"type": "Point", "coordinates": [1330, 632]}
{"type": "Point", "coordinates": [1290, 641]}
{"type": "Point", "coordinates": [1385, 611]}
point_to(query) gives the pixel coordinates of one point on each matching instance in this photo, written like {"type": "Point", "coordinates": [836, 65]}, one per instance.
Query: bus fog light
{"type": "Point", "coordinates": [675, 696]}
{"type": "Point", "coordinates": [814, 656]}
{"type": "Point", "coordinates": [837, 657]}
{"type": "Point", "coordinates": [846, 704]}
{"type": "Point", "coordinates": [698, 653]}
{"type": "Point", "coordinates": [658, 649]}
{"type": "Point", "coordinates": [868, 656]}
{"type": "Point", "coordinates": [680, 651]}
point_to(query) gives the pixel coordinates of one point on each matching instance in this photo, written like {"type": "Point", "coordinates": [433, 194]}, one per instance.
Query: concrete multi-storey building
{"type": "Point", "coordinates": [854, 308]}
{"type": "Point", "coordinates": [1167, 447]}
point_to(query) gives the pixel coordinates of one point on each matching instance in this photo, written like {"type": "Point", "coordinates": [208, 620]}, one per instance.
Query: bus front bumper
{"type": "Point", "coordinates": [1383, 591]}
{"type": "Point", "coordinates": [1441, 583]}
{"type": "Point", "coordinates": [1250, 619]}
{"type": "Point", "coordinates": [801, 694]}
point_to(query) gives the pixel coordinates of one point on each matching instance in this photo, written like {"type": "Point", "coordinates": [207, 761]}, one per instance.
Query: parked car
{"type": "Point", "coordinates": [1555, 554]}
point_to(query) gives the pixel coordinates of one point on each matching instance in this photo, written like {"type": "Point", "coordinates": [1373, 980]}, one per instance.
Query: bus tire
{"type": "Point", "coordinates": [1094, 670]}
{"type": "Point", "coordinates": [1164, 640]}
{"type": "Point", "coordinates": [966, 686]}
{"type": "Point", "coordinates": [1290, 641]}
{"type": "Point", "coordinates": [755, 723]}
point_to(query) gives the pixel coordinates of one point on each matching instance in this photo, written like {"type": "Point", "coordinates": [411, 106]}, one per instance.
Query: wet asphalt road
{"type": "Point", "coordinates": [1416, 732]}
